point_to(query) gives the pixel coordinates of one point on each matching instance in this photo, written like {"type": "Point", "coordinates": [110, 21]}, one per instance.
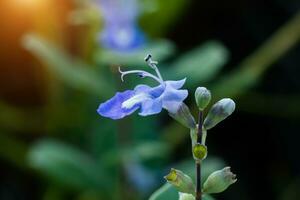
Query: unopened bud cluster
{"type": "Point", "coordinates": [219, 180]}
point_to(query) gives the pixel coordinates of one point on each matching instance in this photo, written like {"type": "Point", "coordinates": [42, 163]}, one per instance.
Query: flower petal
{"type": "Point", "coordinates": [172, 99]}
{"type": "Point", "coordinates": [150, 107]}
{"type": "Point", "coordinates": [113, 107]}
{"type": "Point", "coordinates": [157, 91]}
{"type": "Point", "coordinates": [142, 88]}
{"type": "Point", "coordinates": [176, 84]}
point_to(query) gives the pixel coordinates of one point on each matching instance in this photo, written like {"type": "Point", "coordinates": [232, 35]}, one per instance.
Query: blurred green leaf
{"type": "Point", "coordinates": [53, 192]}
{"type": "Point", "coordinates": [67, 166]}
{"type": "Point", "coordinates": [160, 15]}
{"type": "Point", "coordinates": [70, 70]}
{"type": "Point", "coordinates": [159, 49]}
{"type": "Point", "coordinates": [166, 192]}
{"type": "Point", "coordinates": [146, 151]}
{"type": "Point", "coordinates": [102, 137]}
{"type": "Point", "coordinates": [200, 64]}
{"type": "Point", "coordinates": [13, 150]}
{"type": "Point", "coordinates": [20, 119]}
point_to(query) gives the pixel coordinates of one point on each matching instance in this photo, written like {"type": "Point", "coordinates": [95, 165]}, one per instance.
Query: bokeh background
{"type": "Point", "coordinates": [54, 72]}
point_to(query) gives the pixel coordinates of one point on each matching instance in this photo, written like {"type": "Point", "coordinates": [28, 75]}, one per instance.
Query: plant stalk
{"type": "Point", "coordinates": [198, 163]}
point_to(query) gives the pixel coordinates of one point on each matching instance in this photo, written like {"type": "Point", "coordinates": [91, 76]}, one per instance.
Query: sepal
{"type": "Point", "coordinates": [220, 111]}
{"type": "Point", "coordinates": [184, 116]}
{"type": "Point", "coordinates": [219, 181]}
{"type": "Point", "coordinates": [182, 182]}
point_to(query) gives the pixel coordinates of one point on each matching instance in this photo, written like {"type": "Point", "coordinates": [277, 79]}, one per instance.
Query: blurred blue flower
{"type": "Point", "coordinates": [139, 176]}
{"type": "Point", "coordinates": [121, 31]}
{"type": "Point", "coordinates": [150, 100]}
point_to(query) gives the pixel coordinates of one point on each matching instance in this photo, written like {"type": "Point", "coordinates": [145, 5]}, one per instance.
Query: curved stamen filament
{"type": "Point", "coordinates": [140, 73]}
{"type": "Point", "coordinates": [153, 65]}
{"type": "Point", "coordinates": [157, 71]}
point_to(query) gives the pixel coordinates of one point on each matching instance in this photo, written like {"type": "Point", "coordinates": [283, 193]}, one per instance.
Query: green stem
{"type": "Point", "coordinates": [198, 163]}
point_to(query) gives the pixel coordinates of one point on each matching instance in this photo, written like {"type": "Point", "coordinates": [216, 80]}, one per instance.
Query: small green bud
{"type": "Point", "coordinates": [185, 196]}
{"type": "Point", "coordinates": [203, 97]}
{"type": "Point", "coordinates": [199, 151]}
{"type": "Point", "coordinates": [182, 182]}
{"type": "Point", "coordinates": [184, 116]}
{"type": "Point", "coordinates": [219, 181]}
{"type": "Point", "coordinates": [219, 111]}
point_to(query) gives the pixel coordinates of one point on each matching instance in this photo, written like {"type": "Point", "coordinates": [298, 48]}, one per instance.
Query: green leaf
{"type": "Point", "coordinates": [19, 119]}
{"type": "Point", "coordinates": [66, 165]}
{"type": "Point", "coordinates": [166, 192]}
{"type": "Point", "coordinates": [13, 150]}
{"type": "Point", "coordinates": [160, 50]}
{"type": "Point", "coordinates": [200, 64]}
{"type": "Point", "coordinates": [161, 15]}
{"type": "Point", "coordinates": [70, 70]}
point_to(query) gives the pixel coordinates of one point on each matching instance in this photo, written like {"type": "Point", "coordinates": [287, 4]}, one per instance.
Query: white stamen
{"type": "Point", "coordinates": [140, 72]}
{"type": "Point", "coordinates": [153, 65]}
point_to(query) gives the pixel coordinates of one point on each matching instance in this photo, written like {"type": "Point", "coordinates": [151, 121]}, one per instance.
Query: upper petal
{"type": "Point", "coordinates": [172, 99]}
{"type": "Point", "coordinates": [113, 109]}
{"type": "Point", "coordinates": [175, 84]}
{"type": "Point", "coordinates": [142, 88]}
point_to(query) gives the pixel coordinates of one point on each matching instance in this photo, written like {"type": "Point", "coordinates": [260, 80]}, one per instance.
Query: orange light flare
{"type": "Point", "coordinates": [27, 4]}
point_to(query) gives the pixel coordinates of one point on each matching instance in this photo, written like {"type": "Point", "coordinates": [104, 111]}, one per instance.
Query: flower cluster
{"type": "Point", "coordinates": [169, 95]}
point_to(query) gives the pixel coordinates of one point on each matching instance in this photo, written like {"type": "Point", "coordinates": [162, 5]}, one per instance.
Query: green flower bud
{"type": "Point", "coordinates": [184, 116]}
{"type": "Point", "coordinates": [185, 196]}
{"type": "Point", "coordinates": [220, 111]}
{"type": "Point", "coordinates": [203, 97]}
{"type": "Point", "coordinates": [219, 181]}
{"type": "Point", "coordinates": [182, 182]}
{"type": "Point", "coordinates": [199, 151]}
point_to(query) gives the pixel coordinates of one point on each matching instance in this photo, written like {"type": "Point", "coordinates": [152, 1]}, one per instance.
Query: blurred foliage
{"type": "Point", "coordinates": [71, 168]}
{"type": "Point", "coordinates": [200, 64]}
{"type": "Point", "coordinates": [70, 70]}
{"type": "Point", "coordinates": [161, 50]}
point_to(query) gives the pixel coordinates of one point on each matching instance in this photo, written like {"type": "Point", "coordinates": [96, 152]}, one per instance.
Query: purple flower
{"type": "Point", "coordinates": [121, 31]}
{"type": "Point", "coordinates": [149, 100]}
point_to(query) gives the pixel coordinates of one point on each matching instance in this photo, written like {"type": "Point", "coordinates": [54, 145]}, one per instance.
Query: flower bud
{"type": "Point", "coordinates": [182, 182]}
{"type": "Point", "coordinates": [185, 196]}
{"type": "Point", "coordinates": [184, 116]}
{"type": "Point", "coordinates": [219, 181]}
{"type": "Point", "coordinates": [199, 151]}
{"type": "Point", "coordinates": [203, 97]}
{"type": "Point", "coordinates": [220, 111]}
